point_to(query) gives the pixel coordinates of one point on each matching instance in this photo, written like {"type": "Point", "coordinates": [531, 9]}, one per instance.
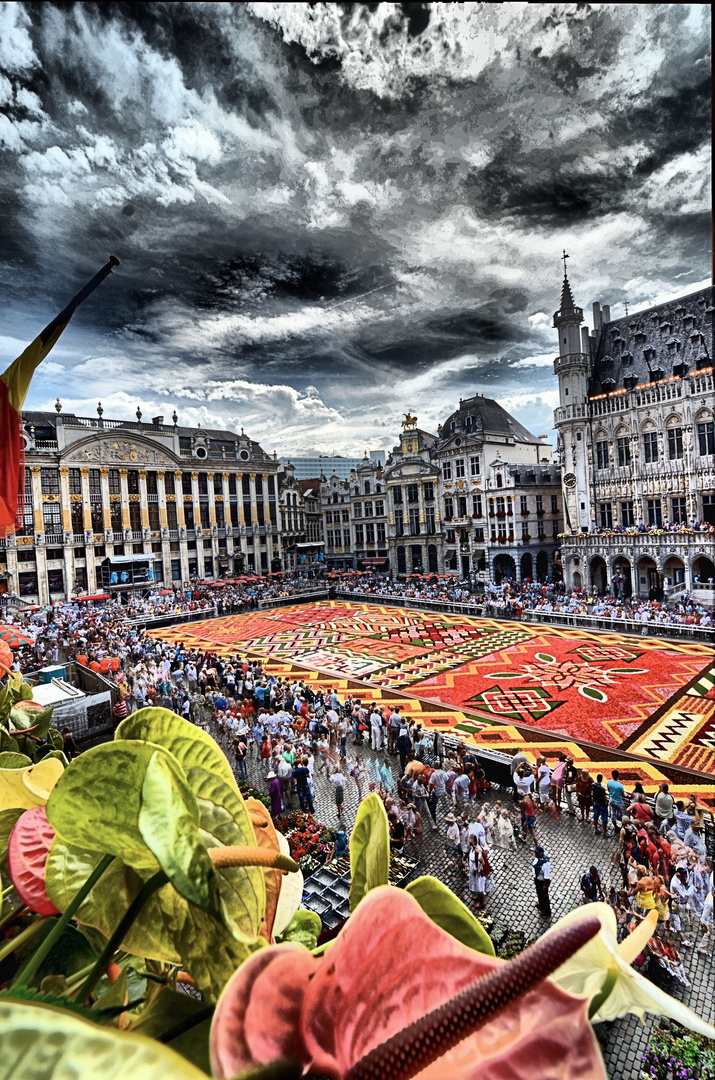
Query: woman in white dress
{"type": "Point", "coordinates": [481, 880]}
{"type": "Point", "coordinates": [503, 832]}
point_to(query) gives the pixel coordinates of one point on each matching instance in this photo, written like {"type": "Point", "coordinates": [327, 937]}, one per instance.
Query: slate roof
{"type": "Point", "coordinates": [486, 416]}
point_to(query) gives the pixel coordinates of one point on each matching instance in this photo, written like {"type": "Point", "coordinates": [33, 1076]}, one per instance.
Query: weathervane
{"type": "Point", "coordinates": [564, 257]}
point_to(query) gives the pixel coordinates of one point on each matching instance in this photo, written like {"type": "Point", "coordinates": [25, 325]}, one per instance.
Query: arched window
{"type": "Point", "coordinates": [500, 482]}
{"type": "Point", "coordinates": [367, 487]}
{"type": "Point", "coordinates": [335, 497]}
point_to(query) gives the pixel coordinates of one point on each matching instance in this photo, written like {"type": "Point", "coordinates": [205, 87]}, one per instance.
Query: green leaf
{"type": "Point", "coordinates": [305, 927]}
{"type": "Point", "coordinates": [168, 821]}
{"type": "Point", "coordinates": [36, 719]}
{"type": "Point", "coordinates": [97, 801]}
{"type": "Point", "coordinates": [171, 1011]}
{"type": "Point", "coordinates": [70, 954]}
{"type": "Point", "coordinates": [59, 755]}
{"type": "Point", "coordinates": [169, 928]}
{"type": "Point", "coordinates": [369, 849]}
{"type": "Point", "coordinates": [41, 1043]}
{"type": "Point", "coordinates": [192, 747]}
{"type": "Point", "coordinates": [9, 760]}
{"type": "Point", "coordinates": [448, 912]}
{"type": "Point", "coordinates": [224, 822]}
{"type": "Point", "coordinates": [8, 744]}
{"type": "Point", "coordinates": [54, 738]}
{"type": "Point", "coordinates": [115, 996]}
{"type": "Point", "coordinates": [7, 824]}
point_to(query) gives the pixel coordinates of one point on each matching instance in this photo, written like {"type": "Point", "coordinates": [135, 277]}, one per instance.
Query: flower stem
{"type": "Point", "coordinates": [251, 856]}
{"type": "Point", "coordinates": [22, 937]}
{"type": "Point", "coordinates": [426, 1040]}
{"type": "Point", "coordinates": [7, 891]}
{"type": "Point", "coordinates": [150, 887]}
{"type": "Point", "coordinates": [57, 930]}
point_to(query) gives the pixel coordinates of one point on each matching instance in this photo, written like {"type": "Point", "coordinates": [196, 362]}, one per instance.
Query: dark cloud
{"type": "Point", "coordinates": [344, 199]}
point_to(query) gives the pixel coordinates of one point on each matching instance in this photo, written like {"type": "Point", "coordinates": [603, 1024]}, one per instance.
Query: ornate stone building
{"type": "Point", "coordinates": [636, 430]}
{"type": "Point", "coordinates": [335, 509]}
{"type": "Point", "coordinates": [300, 519]}
{"type": "Point", "coordinates": [368, 504]}
{"type": "Point", "coordinates": [414, 529]}
{"type": "Point", "coordinates": [203, 502]}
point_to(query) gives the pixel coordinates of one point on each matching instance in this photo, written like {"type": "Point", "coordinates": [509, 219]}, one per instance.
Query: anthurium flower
{"type": "Point", "coordinates": [395, 996]}
{"type": "Point", "coordinates": [603, 969]}
{"type": "Point", "coordinates": [28, 847]}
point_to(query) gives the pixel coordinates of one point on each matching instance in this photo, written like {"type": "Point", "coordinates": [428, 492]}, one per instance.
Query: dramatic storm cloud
{"type": "Point", "coordinates": [327, 214]}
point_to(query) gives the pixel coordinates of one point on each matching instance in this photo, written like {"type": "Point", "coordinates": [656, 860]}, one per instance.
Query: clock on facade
{"type": "Point", "coordinates": [570, 480]}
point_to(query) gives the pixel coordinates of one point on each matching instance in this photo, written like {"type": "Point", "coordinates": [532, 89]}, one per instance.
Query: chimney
{"type": "Point", "coordinates": [596, 317]}
{"type": "Point", "coordinates": [584, 340]}
{"type": "Point", "coordinates": [157, 420]}
{"type": "Point", "coordinates": [606, 313]}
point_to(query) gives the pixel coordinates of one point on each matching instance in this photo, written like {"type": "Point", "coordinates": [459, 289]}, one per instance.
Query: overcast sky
{"type": "Point", "coordinates": [327, 215]}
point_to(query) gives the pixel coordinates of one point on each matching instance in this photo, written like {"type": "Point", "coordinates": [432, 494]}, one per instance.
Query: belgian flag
{"type": "Point", "coordinates": [14, 384]}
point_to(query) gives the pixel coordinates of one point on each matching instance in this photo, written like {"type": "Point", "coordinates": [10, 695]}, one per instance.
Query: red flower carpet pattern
{"type": "Point", "coordinates": [603, 689]}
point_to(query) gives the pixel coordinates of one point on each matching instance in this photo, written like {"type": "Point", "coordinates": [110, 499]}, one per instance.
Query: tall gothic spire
{"type": "Point", "coordinates": [567, 304]}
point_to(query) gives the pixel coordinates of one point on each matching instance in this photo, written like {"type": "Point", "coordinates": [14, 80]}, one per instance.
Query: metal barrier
{"type": "Point", "coordinates": [479, 609]}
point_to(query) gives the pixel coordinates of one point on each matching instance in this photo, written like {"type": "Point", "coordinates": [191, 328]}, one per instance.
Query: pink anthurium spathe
{"type": "Point", "coordinates": [394, 996]}
{"type": "Point", "coordinates": [27, 850]}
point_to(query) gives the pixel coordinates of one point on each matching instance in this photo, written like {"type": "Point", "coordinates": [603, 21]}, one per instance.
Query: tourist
{"type": "Point", "coordinates": [528, 817]}
{"type": "Point", "coordinates": [592, 886]}
{"type": "Point", "coordinates": [600, 805]}
{"type": "Point", "coordinates": [542, 880]}
{"type": "Point", "coordinates": [376, 727]}
{"type": "Point", "coordinates": [480, 874]}
{"type": "Point", "coordinates": [275, 794]}
{"type": "Point", "coordinates": [339, 782]}
{"type": "Point", "coordinates": [584, 787]}
{"type": "Point", "coordinates": [543, 781]}
{"type": "Point", "coordinates": [616, 791]}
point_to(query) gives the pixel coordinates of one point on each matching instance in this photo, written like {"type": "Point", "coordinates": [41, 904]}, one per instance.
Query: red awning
{"type": "Point", "coordinates": [98, 596]}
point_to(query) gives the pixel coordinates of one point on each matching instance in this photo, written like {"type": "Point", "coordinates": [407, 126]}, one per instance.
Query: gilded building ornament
{"type": "Point", "coordinates": [63, 470]}
{"type": "Point", "coordinates": [78, 498]}
{"type": "Point", "coordinates": [111, 450]}
{"type": "Point", "coordinates": [50, 498]}
{"type": "Point", "coordinates": [112, 498]}
{"type": "Point", "coordinates": [24, 541]}
{"type": "Point", "coordinates": [134, 498]}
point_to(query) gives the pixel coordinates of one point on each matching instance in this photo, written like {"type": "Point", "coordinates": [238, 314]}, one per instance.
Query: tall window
{"type": "Point", "coordinates": [95, 485]}
{"type": "Point", "coordinates": [477, 505]}
{"type": "Point", "coordinates": [154, 516]}
{"type": "Point", "coordinates": [500, 504]}
{"type": "Point", "coordinates": [539, 504]}
{"type": "Point", "coordinates": [97, 517]}
{"type": "Point", "coordinates": [430, 523]}
{"type": "Point", "coordinates": [525, 530]}
{"type": "Point", "coordinates": [397, 496]}
{"type": "Point", "coordinates": [151, 484]}
{"type": "Point", "coordinates": [77, 518]}
{"type": "Point", "coordinates": [135, 516]}
{"type": "Point", "coordinates": [428, 489]}
{"type": "Point", "coordinates": [627, 517]}
{"type": "Point", "coordinates": [171, 516]}
{"type": "Point", "coordinates": [523, 504]}
{"type": "Point", "coordinates": [474, 466]}
{"type": "Point", "coordinates": [359, 535]}
{"type": "Point", "coordinates": [624, 450]}
{"type": "Point", "coordinates": [368, 509]}
{"type": "Point", "coordinates": [52, 519]}
{"type": "Point", "coordinates": [75, 482]}
{"type": "Point", "coordinates": [50, 481]}
{"type": "Point", "coordinates": [605, 515]}
{"type": "Point", "coordinates": [218, 484]}
{"type": "Point", "coordinates": [357, 509]}
{"type": "Point", "coordinates": [367, 487]}
{"type": "Point", "coordinates": [675, 443]}
{"type": "Point", "coordinates": [412, 492]}
{"type": "Point", "coordinates": [346, 537]}
{"type": "Point", "coordinates": [369, 534]}
{"type": "Point", "coordinates": [346, 517]}
{"type": "Point", "coordinates": [447, 470]}
{"type": "Point", "coordinates": [169, 483]}
{"type": "Point", "coordinates": [448, 507]}
{"type": "Point", "coordinates": [554, 504]}
{"type": "Point", "coordinates": [655, 512]}
{"type": "Point", "coordinates": [115, 516]}
{"type": "Point", "coordinates": [679, 510]}
{"type": "Point", "coordinates": [399, 523]}
{"type": "Point", "coordinates": [186, 483]}
{"type": "Point", "coordinates": [115, 486]}
{"type": "Point", "coordinates": [381, 532]}
{"type": "Point", "coordinates": [650, 446]}
{"type": "Point", "coordinates": [602, 455]}
{"type": "Point", "coordinates": [379, 508]}
{"type": "Point", "coordinates": [414, 521]}
{"type": "Point", "coordinates": [459, 468]}
{"type": "Point", "coordinates": [133, 481]}
{"type": "Point", "coordinates": [706, 437]}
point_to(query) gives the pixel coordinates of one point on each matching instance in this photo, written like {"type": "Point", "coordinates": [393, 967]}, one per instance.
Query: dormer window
{"type": "Point", "coordinates": [678, 310]}
{"type": "Point", "coordinates": [500, 480]}
{"type": "Point", "coordinates": [632, 325]}
{"type": "Point", "coordinates": [695, 337]}
{"type": "Point", "coordinates": [627, 358]}
{"type": "Point", "coordinates": [630, 381]}
{"type": "Point", "coordinates": [701, 301]}
{"type": "Point", "coordinates": [649, 352]}
{"type": "Point", "coordinates": [680, 369]}
{"type": "Point", "coordinates": [639, 338]}
{"type": "Point", "coordinates": [673, 344]}
{"type": "Point", "coordinates": [666, 327]}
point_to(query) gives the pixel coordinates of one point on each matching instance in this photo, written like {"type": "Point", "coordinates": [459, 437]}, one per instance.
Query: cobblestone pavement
{"type": "Point", "coordinates": [572, 847]}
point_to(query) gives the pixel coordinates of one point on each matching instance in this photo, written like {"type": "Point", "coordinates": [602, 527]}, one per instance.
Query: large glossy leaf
{"type": "Point", "coordinates": [97, 802]}
{"type": "Point", "coordinates": [389, 966]}
{"type": "Point", "coordinates": [29, 787]}
{"type": "Point", "coordinates": [369, 849]}
{"type": "Point", "coordinates": [169, 927]}
{"type": "Point", "coordinates": [267, 837]}
{"type": "Point", "coordinates": [447, 911]}
{"type": "Point", "coordinates": [55, 739]}
{"type": "Point", "coordinates": [44, 1043]}
{"type": "Point", "coordinates": [224, 822]}
{"type": "Point", "coordinates": [192, 747]}
{"type": "Point", "coordinates": [170, 1010]}
{"type": "Point", "coordinates": [28, 847]}
{"type": "Point", "coordinates": [169, 824]}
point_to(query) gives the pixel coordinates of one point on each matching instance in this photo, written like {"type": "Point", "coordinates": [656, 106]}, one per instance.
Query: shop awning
{"type": "Point", "coordinates": [97, 596]}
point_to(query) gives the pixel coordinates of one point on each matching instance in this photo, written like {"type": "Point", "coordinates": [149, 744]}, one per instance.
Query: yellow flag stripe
{"type": "Point", "coordinates": [18, 376]}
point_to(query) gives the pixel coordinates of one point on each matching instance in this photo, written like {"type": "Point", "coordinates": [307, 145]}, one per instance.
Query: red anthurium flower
{"type": "Point", "coordinates": [27, 851]}
{"type": "Point", "coordinates": [395, 997]}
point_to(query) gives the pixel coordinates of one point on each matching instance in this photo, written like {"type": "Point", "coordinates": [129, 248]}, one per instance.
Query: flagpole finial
{"type": "Point", "coordinates": [114, 260]}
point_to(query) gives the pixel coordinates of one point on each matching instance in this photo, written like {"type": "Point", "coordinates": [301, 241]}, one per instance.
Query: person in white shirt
{"type": "Point", "coordinates": [375, 730]}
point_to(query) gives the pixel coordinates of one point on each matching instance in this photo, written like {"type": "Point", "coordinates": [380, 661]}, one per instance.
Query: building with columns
{"type": "Point", "coordinates": [203, 502]}
{"type": "Point", "coordinates": [414, 526]}
{"type": "Point", "coordinates": [636, 442]}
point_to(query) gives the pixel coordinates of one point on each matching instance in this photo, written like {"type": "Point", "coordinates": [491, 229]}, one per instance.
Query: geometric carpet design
{"type": "Point", "coordinates": [651, 696]}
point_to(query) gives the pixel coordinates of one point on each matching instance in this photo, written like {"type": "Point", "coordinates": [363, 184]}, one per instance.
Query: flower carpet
{"type": "Point", "coordinates": [490, 679]}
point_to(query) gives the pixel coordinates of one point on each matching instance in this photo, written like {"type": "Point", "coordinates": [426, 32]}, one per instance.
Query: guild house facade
{"type": "Point", "coordinates": [636, 443]}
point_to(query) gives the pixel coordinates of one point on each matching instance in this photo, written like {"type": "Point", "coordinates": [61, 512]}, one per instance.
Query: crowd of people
{"type": "Point", "coordinates": [297, 737]}
{"type": "Point", "coordinates": [680, 527]}
{"type": "Point", "coordinates": [512, 600]}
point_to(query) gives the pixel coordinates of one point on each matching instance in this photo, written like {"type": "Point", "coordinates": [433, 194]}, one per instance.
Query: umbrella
{"type": "Point", "coordinates": [14, 637]}
{"type": "Point", "coordinates": [165, 592]}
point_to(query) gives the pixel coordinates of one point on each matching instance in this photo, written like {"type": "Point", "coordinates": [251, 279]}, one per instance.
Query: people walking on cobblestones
{"type": "Point", "coordinates": [528, 817]}
{"type": "Point", "coordinates": [275, 793]}
{"type": "Point", "coordinates": [376, 727]}
{"type": "Point", "coordinates": [600, 804]}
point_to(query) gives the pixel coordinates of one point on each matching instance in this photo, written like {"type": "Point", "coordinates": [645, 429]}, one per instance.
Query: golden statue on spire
{"type": "Point", "coordinates": [410, 422]}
